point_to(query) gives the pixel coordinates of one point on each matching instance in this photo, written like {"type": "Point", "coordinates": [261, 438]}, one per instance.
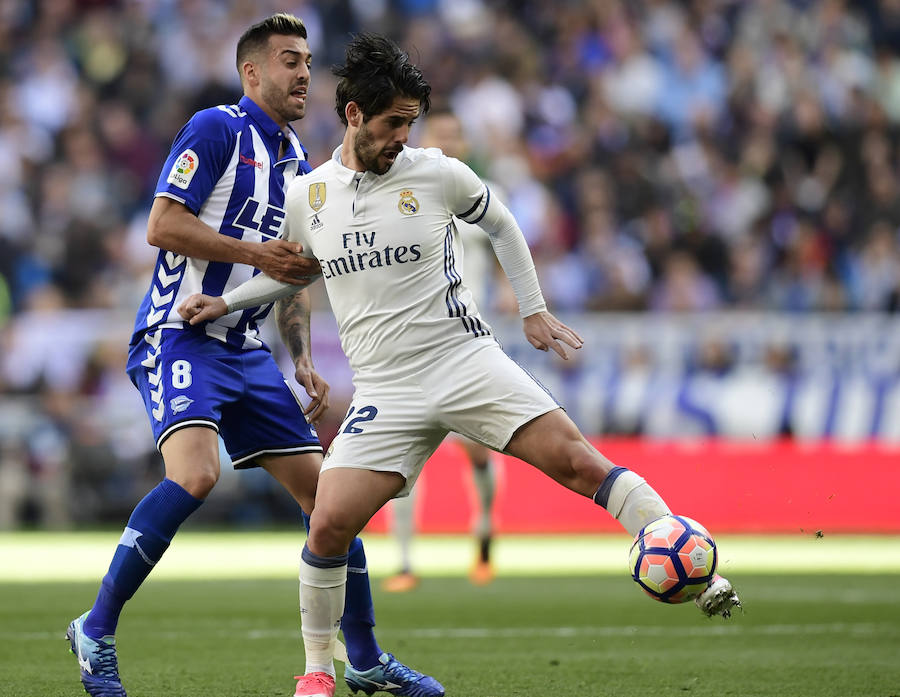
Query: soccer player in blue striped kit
{"type": "Point", "coordinates": [217, 217]}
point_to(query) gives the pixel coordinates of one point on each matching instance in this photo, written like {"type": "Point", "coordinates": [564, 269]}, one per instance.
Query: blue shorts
{"type": "Point", "coordinates": [189, 379]}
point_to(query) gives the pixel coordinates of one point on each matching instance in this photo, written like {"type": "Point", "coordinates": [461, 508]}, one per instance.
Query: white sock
{"type": "Point", "coordinates": [321, 607]}
{"type": "Point", "coordinates": [404, 510]}
{"type": "Point", "coordinates": [634, 503]}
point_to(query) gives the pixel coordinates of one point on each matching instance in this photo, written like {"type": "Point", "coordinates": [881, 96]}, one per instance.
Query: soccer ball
{"type": "Point", "coordinates": [673, 559]}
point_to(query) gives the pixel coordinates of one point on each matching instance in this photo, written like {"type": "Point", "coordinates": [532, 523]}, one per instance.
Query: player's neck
{"type": "Point", "coordinates": [349, 158]}
{"type": "Point", "coordinates": [267, 110]}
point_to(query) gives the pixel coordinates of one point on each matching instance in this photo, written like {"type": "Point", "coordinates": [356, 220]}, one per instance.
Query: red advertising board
{"type": "Point", "coordinates": [773, 486]}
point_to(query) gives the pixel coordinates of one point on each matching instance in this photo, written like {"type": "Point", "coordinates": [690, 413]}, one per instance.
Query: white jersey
{"type": "Point", "coordinates": [390, 256]}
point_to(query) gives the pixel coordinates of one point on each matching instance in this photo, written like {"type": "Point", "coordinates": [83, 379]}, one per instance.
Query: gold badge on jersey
{"type": "Point", "coordinates": [408, 204]}
{"type": "Point", "coordinates": [317, 195]}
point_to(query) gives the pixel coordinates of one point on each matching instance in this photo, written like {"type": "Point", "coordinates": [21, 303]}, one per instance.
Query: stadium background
{"type": "Point", "coordinates": [709, 189]}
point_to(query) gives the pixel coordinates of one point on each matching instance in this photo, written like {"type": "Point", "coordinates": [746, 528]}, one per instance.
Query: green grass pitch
{"type": "Point", "coordinates": [825, 632]}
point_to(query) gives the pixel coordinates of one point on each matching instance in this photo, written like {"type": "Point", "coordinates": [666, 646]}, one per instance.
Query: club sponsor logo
{"type": "Point", "coordinates": [361, 253]}
{"type": "Point", "coordinates": [250, 161]}
{"type": "Point", "coordinates": [262, 217]}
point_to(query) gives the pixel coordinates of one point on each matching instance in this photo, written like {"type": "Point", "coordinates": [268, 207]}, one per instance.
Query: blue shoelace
{"type": "Point", "coordinates": [105, 664]}
{"type": "Point", "coordinates": [395, 669]}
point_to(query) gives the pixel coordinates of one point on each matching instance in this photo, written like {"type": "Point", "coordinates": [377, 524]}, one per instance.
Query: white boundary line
{"type": "Point", "coordinates": [483, 633]}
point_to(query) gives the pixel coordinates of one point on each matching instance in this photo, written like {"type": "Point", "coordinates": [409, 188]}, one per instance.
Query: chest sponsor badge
{"type": "Point", "coordinates": [184, 169]}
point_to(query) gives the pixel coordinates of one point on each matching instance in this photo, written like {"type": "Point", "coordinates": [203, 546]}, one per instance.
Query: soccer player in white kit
{"type": "Point", "coordinates": [379, 218]}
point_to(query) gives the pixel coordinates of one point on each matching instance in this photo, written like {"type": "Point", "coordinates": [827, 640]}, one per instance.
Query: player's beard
{"type": "Point", "coordinates": [282, 103]}
{"type": "Point", "coordinates": [368, 153]}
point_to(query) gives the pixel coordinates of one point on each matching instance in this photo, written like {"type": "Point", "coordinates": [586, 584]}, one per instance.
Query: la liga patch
{"type": "Point", "coordinates": [184, 168]}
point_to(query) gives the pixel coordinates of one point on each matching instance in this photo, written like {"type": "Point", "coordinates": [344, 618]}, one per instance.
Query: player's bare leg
{"type": "Point", "coordinates": [298, 474]}
{"type": "Point", "coordinates": [191, 457]}
{"type": "Point", "coordinates": [553, 444]}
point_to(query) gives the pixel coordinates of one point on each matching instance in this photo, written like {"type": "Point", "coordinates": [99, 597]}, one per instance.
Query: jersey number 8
{"type": "Point", "coordinates": [181, 374]}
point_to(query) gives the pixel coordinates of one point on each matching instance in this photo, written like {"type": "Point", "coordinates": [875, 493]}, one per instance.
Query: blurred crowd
{"type": "Point", "coordinates": [660, 156]}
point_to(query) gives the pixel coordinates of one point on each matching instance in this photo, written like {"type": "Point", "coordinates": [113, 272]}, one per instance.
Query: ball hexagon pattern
{"type": "Point", "coordinates": [673, 559]}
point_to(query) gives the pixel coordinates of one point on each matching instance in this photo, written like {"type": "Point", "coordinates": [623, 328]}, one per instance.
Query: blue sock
{"type": "Point", "coordinates": [305, 517]}
{"type": "Point", "coordinates": [358, 621]}
{"type": "Point", "coordinates": [150, 529]}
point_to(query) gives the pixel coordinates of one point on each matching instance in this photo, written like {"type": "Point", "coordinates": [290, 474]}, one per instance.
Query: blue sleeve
{"type": "Point", "coordinates": [198, 158]}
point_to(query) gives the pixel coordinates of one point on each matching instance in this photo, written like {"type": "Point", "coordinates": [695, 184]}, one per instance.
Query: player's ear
{"type": "Point", "coordinates": [249, 73]}
{"type": "Point", "coordinates": [353, 114]}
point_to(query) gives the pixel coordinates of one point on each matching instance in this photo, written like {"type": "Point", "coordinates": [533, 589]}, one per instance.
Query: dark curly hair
{"type": "Point", "coordinates": [374, 73]}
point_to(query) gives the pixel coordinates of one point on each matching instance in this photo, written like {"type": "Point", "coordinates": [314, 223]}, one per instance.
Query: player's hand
{"type": "Point", "coordinates": [202, 308]}
{"type": "Point", "coordinates": [545, 332]}
{"type": "Point", "coordinates": [315, 387]}
{"type": "Point", "coordinates": [283, 261]}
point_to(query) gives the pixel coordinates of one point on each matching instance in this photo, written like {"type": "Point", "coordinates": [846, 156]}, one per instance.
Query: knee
{"type": "Point", "coordinates": [329, 535]}
{"type": "Point", "coordinates": [199, 481]}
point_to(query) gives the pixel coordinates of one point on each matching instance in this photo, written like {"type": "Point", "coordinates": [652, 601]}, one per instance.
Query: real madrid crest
{"type": "Point", "coordinates": [408, 204]}
{"type": "Point", "coordinates": [317, 195]}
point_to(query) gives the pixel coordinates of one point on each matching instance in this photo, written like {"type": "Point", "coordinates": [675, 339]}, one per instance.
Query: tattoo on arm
{"type": "Point", "coordinates": [292, 314]}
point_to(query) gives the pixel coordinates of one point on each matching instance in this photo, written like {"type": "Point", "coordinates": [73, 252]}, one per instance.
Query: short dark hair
{"type": "Point", "coordinates": [256, 37]}
{"type": "Point", "coordinates": [374, 73]}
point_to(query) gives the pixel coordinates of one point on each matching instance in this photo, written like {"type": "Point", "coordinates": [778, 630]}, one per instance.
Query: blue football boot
{"type": "Point", "coordinates": [393, 677]}
{"type": "Point", "coordinates": [97, 660]}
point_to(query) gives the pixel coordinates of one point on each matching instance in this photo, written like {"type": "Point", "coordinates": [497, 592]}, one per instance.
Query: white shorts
{"type": "Point", "coordinates": [477, 391]}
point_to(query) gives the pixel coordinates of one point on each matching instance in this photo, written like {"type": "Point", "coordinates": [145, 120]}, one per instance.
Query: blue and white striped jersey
{"type": "Point", "coordinates": [221, 168]}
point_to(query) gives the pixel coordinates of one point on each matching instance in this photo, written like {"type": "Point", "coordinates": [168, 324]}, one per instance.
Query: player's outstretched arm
{"type": "Point", "coordinates": [283, 261]}
{"type": "Point", "coordinates": [173, 227]}
{"type": "Point", "coordinates": [292, 313]}
{"type": "Point", "coordinates": [545, 332]}
{"type": "Point", "coordinates": [254, 292]}
{"type": "Point", "coordinates": [199, 308]}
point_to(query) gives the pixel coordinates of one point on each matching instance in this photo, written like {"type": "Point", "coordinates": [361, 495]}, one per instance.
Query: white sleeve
{"type": "Point", "coordinates": [470, 200]}
{"type": "Point", "coordinates": [257, 291]}
{"type": "Point", "coordinates": [260, 289]}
